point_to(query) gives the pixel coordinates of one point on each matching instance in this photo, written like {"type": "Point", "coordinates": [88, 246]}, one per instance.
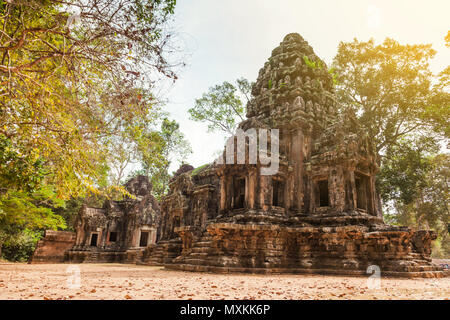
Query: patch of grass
{"type": "Point", "coordinates": [312, 64]}
{"type": "Point", "coordinates": [199, 169]}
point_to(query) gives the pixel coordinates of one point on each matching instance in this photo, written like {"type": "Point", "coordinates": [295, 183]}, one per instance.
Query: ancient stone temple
{"type": "Point", "coordinates": [318, 212]}
{"type": "Point", "coordinates": [120, 230]}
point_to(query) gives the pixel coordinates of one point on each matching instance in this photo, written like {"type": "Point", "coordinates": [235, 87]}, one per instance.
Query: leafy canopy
{"type": "Point", "coordinates": [390, 87]}
{"type": "Point", "coordinates": [76, 79]}
{"type": "Point", "coordinates": [222, 107]}
{"type": "Point", "coordinates": [75, 74]}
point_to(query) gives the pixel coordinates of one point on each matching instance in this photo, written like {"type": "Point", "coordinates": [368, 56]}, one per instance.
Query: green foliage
{"type": "Point", "coordinates": [414, 184]}
{"type": "Point", "coordinates": [158, 149]}
{"type": "Point", "coordinates": [312, 64]}
{"type": "Point", "coordinates": [332, 71]}
{"type": "Point", "coordinates": [19, 169]}
{"type": "Point", "coordinates": [30, 210]}
{"type": "Point", "coordinates": [438, 110]}
{"type": "Point", "coordinates": [23, 216]}
{"type": "Point", "coordinates": [245, 88]}
{"type": "Point", "coordinates": [222, 106]}
{"type": "Point", "coordinates": [405, 108]}
{"type": "Point", "coordinates": [405, 168]}
{"type": "Point", "coordinates": [389, 86]}
{"type": "Point", "coordinates": [173, 147]}
{"type": "Point", "coordinates": [441, 247]}
{"type": "Point", "coordinates": [72, 91]}
{"type": "Point", "coordinates": [69, 88]}
{"type": "Point", "coordinates": [199, 169]}
{"type": "Point", "coordinates": [20, 246]}
{"type": "Point", "coordinates": [71, 208]}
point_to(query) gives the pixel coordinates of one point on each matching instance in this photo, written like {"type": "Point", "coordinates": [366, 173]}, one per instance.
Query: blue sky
{"type": "Point", "coordinates": [229, 39]}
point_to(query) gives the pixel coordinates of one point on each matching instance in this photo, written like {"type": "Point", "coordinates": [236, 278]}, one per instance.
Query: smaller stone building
{"type": "Point", "coordinates": [120, 230]}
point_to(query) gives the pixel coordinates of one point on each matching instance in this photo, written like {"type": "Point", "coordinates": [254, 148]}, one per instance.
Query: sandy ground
{"type": "Point", "coordinates": [119, 281]}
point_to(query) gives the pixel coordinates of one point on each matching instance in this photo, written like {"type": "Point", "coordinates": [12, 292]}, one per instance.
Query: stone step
{"type": "Point", "coordinates": [418, 257]}
{"type": "Point", "coordinates": [163, 252]}
{"type": "Point", "coordinates": [201, 249]}
{"type": "Point", "coordinates": [93, 257]}
{"type": "Point", "coordinates": [198, 254]}
{"type": "Point", "coordinates": [167, 260]}
{"type": "Point", "coordinates": [421, 262]}
{"type": "Point", "coordinates": [195, 261]}
{"type": "Point", "coordinates": [415, 256]}
{"type": "Point", "coordinates": [203, 244]}
{"type": "Point", "coordinates": [422, 268]}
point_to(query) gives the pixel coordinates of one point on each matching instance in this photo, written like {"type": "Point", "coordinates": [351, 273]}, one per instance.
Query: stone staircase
{"type": "Point", "coordinates": [133, 255]}
{"type": "Point", "coordinates": [163, 253]}
{"type": "Point", "coordinates": [199, 252]}
{"type": "Point", "coordinates": [93, 257]}
{"type": "Point", "coordinates": [421, 264]}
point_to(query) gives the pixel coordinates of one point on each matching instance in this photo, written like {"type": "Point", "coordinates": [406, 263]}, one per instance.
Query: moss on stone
{"type": "Point", "coordinates": [199, 169]}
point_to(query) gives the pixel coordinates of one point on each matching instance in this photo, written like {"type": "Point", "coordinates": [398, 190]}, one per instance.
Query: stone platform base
{"type": "Point", "coordinates": [342, 250]}
{"type": "Point", "coordinates": [95, 257]}
{"type": "Point", "coordinates": [227, 270]}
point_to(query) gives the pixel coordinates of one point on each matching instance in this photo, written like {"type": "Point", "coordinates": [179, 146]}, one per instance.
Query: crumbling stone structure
{"type": "Point", "coordinates": [192, 202]}
{"type": "Point", "coordinates": [120, 230]}
{"type": "Point", "coordinates": [53, 247]}
{"type": "Point", "coordinates": [320, 212]}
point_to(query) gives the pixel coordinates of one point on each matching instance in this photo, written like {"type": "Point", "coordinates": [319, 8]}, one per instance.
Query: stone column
{"type": "Point", "coordinates": [371, 197]}
{"type": "Point", "coordinates": [297, 156]}
{"type": "Point", "coordinates": [336, 188]}
{"type": "Point", "coordinates": [102, 235]}
{"type": "Point", "coordinates": [349, 199]}
{"type": "Point", "coordinates": [135, 234]}
{"type": "Point", "coordinates": [251, 189]}
{"type": "Point", "coordinates": [310, 185]}
{"type": "Point", "coordinates": [223, 194]}
{"type": "Point", "coordinates": [229, 193]}
{"type": "Point", "coordinates": [353, 187]}
{"type": "Point", "coordinates": [264, 192]}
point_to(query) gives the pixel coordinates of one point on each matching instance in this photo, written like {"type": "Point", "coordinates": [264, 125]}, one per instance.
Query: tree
{"type": "Point", "coordinates": [171, 146]}
{"type": "Point", "coordinates": [75, 76]}
{"type": "Point", "coordinates": [438, 112]}
{"type": "Point", "coordinates": [71, 81]}
{"type": "Point", "coordinates": [405, 108]}
{"type": "Point", "coordinates": [24, 202]}
{"type": "Point", "coordinates": [405, 169]}
{"type": "Point", "coordinates": [23, 213]}
{"type": "Point", "coordinates": [389, 86]}
{"type": "Point", "coordinates": [222, 106]}
{"type": "Point", "coordinates": [414, 183]}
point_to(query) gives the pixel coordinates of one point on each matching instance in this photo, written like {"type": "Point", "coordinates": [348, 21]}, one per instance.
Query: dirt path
{"type": "Point", "coordinates": [118, 281]}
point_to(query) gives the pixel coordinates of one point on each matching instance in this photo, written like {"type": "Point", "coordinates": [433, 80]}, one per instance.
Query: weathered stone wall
{"type": "Point", "coordinates": [119, 225]}
{"type": "Point", "coordinates": [52, 248]}
{"type": "Point", "coordinates": [192, 201]}
{"type": "Point", "coordinates": [327, 250]}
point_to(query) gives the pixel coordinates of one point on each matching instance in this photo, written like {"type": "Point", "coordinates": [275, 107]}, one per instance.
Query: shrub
{"type": "Point", "coordinates": [20, 246]}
